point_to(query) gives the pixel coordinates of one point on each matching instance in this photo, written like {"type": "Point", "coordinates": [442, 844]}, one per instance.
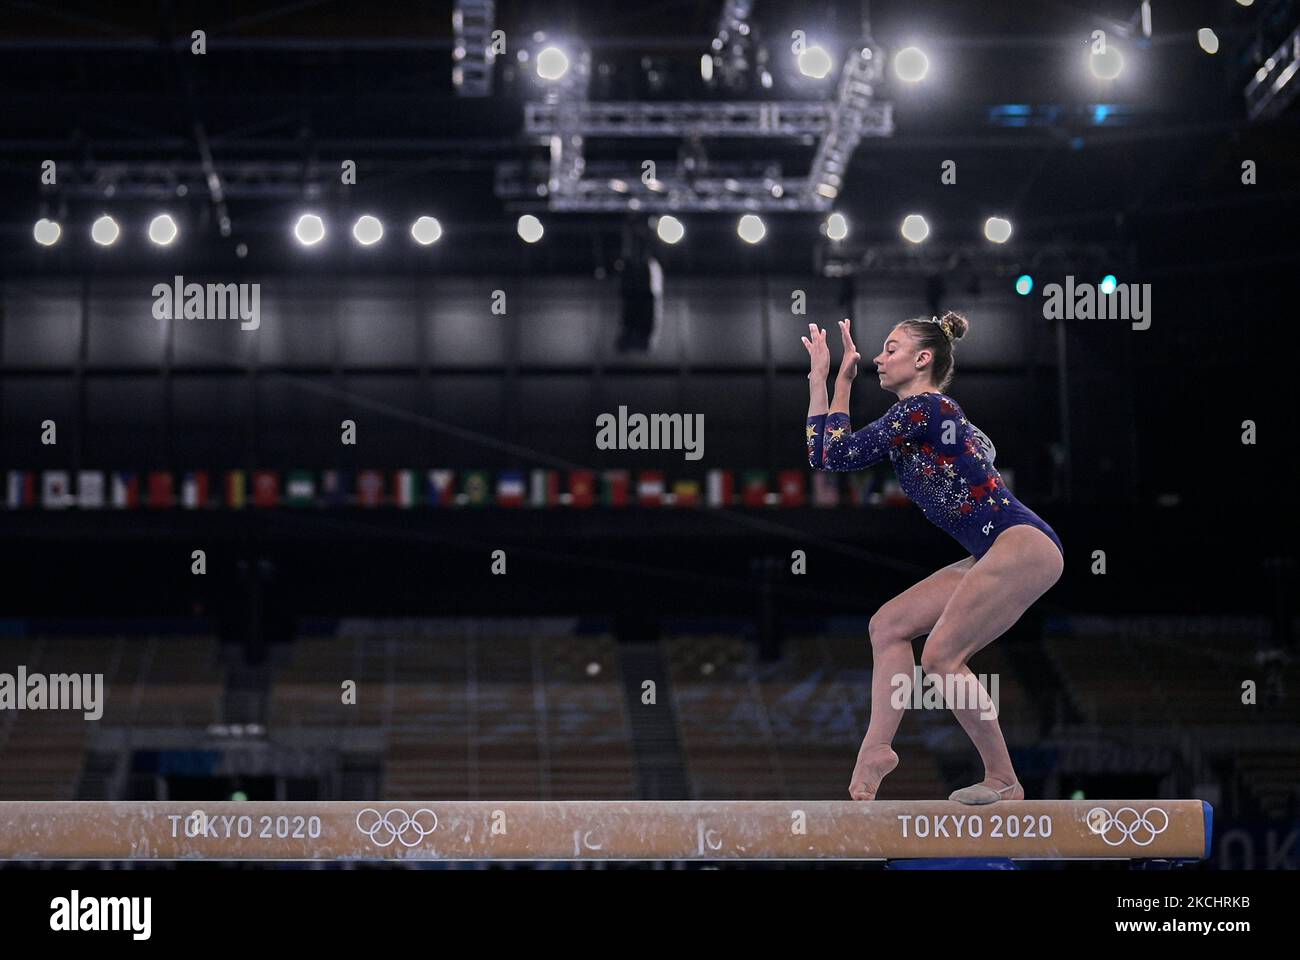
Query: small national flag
{"type": "Point", "coordinates": [56, 490]}
{"type": "Point", "coordinates": [861, 485]}
{"type": "Point", "coordinates": [475, 491]}
{"type": "Point", "coordinates": [650, 488]}
{"type": "Point", "coordinates": [126, 490]}
{"type": "Point", "coordinates": [300, 488]}
{"type": "Point", "coordinates": [510, 488]}
{"type": "Point", "coordinates": [90, 490]}
{"type": "Point", "coordinates": [334, 488]}
{"type": "Point", "coordinates": [582, 488]}
{"type": "Point", "coordinates": [616, 484]}
{"type": "Point", "coordinates": [793, 484]}
{"type": "Point", "coordinates": [753, 486]}
{"type": "Point", "coordinates": [162, 490]}
{"type": "Point", "coordinates": [194, 490]}
{"type": "Point", "coordinates": [893, 493]}
{"type": "Point", "coordinates": [370, 488]}
{"type": "Point", "coordinates": [441, 488]}
{"type": "Point", "coordinates": [826, 489]}
{"type": "Point", "coordinates": [266, 488]}
{"type": "Point", "coordinates": [22, 489]}
{"type": "Point", "coordinates": [721, 488]}
{"type": "Point", "coordinates": [686, 493]}
{"type": "Point", "coordinates": [406, 488]}
{"type": "Point", "coordinates": [545, 490]}
{"type": "Point", "coordinates": [235, 493]}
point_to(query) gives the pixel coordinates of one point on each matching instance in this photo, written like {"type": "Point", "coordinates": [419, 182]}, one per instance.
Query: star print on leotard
{"type": "Point", "coordinates": [944, 464]}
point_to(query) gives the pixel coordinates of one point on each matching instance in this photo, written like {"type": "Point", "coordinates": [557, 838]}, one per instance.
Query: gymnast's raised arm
{"type": "Point", "coordinates": [843, 451]}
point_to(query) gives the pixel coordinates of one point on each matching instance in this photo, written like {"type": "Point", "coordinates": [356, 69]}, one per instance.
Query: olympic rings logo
{"type": "Point", "coordinates": [1136, 826]}
{"type": "Point", "coordinates": [385, 829]}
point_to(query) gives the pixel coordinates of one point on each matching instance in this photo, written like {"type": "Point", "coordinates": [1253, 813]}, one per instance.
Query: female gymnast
{"type": "Point", "coordinates": [945, 466]}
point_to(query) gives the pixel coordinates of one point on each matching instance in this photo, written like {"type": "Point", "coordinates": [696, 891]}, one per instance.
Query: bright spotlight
{"type": "Point", "coordinates": [1245, 3]}
{"type": "Point", "coordinates": [310, 229]}
{"type": "Point", "coordinates": [529, 228]}
{"type": "Point", "coordinates": [426, 230]}
{"type": "Point", "coordinates": [47, 232]}
{"type": "Point", "coordinates": [162, 229]}
{"type": "Point", "coordinates": [552, 63]}
{"type": "Point", "coordinates": [1107, 65]}
{"type": "Point", "coordinates": [670, 229]}
{"type": "Point", "coordinates": [706, 67]}
{"type": "Point", "coordinates": [751, 228]}
{"type": "Point", "coordinates": [1024, 284]}
{"type": "Point", "coordinates": [1108, 284]}
{"type": "Point", "coordinates": [815, 62]}
{"type": "Point", "coordinates": [367, 230]}
{"type": "Point", "coordinates": [911, 64]}
{"type": "Point", "coordinates": [104, 231]}
{"type": "Point", "coordinates": [997, 229]}
{"type": "Point", "coordinates": [837, 228]}
{"type": "Point", "coordinates": [1208, 39]}
{"type": "Point", "coordinates": [915, 228]}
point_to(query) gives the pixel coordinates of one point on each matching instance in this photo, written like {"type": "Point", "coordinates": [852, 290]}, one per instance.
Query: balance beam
{"type": "Point", "coordinates": [604, 830]}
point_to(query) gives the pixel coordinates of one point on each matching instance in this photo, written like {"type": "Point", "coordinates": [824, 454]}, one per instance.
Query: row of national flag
{"type": "Point", "coordinates": [201, 489]}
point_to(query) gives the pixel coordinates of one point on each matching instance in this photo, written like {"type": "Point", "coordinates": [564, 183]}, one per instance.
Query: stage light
{"type": "Point", "coordinates": [670, 229]}
{"type": "Point", "coordinates": [310, 229]}
{"type": "Point", "coordinates": [162, 229]}
{"type": "Point", "coordinates": [706, 67]}
{"type": "Point", "coordinates": [997, 229]}
{"type": "Point", "coordinates": [1208, 40]}
{"type": "Point", "coordinates": [47, 232]}
{"type": "Point", "coordinates": [815, 62]}
{"type": "Point", "coordinates": [426, 230]}
{"type": "Point", "coordinates": [837, 227]}
{"type": "Point", "coordinates": [1107, 65]}
{"type": "Point", "coordinates": [915, 228]}
{"type": "Point", "coordinates": [1108, 284]}
{"type": "Point", "coordinates": [104, 231]}
{"type": "Point", "coordinates": [552, 63]}
{"type": "Point", "coordinates": [1245, 3]}
{"type": "Point", "coordinates": [529, 228]}
{"type": "Point", "coordinates": [751, 228]}
{"type": "Point", "coordinates": [911, 64]}
{"type": "Point", "coordinates": [367, 230]}
{"type": "Point", "coordinates": [1024, 284]}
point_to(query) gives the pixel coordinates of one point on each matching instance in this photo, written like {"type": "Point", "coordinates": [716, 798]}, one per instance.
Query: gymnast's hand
{"type": "Point", "coordinates": [849, 365]}
{"type": "Point", "coordinates": [818, 352]}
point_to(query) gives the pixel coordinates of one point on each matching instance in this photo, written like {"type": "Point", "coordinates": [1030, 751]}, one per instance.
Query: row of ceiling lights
{"type": "Point", "coordinates": [368, 230]}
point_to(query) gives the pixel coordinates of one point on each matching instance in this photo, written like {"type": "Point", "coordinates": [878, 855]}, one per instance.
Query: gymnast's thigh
{"type": "Point", "coordinates": [914, 612]}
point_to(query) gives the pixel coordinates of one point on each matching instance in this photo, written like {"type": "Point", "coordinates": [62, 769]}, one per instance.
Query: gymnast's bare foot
{"type": "Point", "coordinates": [874, 764]}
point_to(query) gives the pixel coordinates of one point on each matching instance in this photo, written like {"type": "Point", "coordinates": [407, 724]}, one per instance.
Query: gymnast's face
{"type": "Point", "coordinates": [896, 362]}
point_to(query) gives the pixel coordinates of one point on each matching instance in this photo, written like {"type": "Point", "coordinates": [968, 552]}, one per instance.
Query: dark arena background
{"type": "Point", "coordinates": [325, 332]}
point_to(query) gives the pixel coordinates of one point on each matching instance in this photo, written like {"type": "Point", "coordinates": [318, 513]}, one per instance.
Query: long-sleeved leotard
{"type": "Point", "coordinates": [943, 462]}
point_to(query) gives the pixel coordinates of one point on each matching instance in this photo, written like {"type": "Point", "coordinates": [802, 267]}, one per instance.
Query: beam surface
{"type": "Point", "coordinates": [602, 830]}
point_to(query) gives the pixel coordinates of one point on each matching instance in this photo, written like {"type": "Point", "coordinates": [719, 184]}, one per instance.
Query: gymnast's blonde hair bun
{"type": "Point", "coordinates": [954, 325]}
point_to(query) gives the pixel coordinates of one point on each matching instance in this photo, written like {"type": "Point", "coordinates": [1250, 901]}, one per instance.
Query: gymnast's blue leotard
{"type": "Point", "coordinates": [944, 464]}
